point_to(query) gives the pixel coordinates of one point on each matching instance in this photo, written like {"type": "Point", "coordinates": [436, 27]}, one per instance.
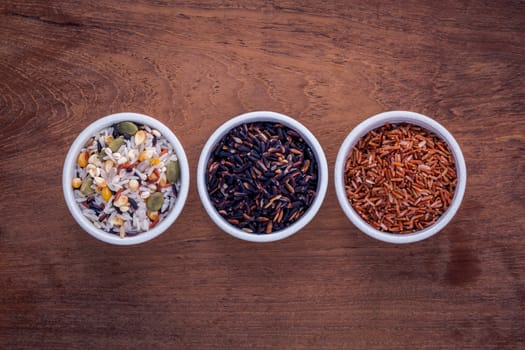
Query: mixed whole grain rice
{"type": "Point", "coordinates": [127, 179]}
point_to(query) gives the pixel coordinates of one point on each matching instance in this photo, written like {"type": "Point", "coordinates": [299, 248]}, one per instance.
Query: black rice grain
{"type": "Point", "coordinates": [262, 177]}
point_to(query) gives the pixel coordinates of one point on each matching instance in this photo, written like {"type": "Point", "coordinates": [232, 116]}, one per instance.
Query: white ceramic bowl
{"type": "Point", "coordinates": [378, 121]}
{"type": "Point", "coordinates": [69, 171]}
{"type": "Point", "coordinates": [262, 116]}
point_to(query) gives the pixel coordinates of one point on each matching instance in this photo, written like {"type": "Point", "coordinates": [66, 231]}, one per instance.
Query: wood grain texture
{"type": "Point", "coordinates": [193, 65]}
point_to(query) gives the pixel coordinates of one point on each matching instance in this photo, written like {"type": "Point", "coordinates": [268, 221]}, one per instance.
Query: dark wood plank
{"type": "Point", "coordinates": [195, 65]}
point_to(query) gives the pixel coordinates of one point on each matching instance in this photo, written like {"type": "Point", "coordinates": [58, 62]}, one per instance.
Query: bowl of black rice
{"type": "Point", "coordinates": [262, 176]}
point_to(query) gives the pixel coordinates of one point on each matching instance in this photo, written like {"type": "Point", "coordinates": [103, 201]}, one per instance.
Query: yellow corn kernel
{"type": "Point", "coordinates": [82, 159]}
{"type": "Point", "coordinates": [154, 161]}
{"type": "Point", "coordinates": [106, 194]}
{"type": "Point", "coordinates": [145, 155]}
{"type": "Point", "coordinates": [76, 182]}
{"type": "Point", "coordinates": [108, 139]}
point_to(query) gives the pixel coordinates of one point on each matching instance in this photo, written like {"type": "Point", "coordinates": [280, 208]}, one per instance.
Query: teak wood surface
{"type": "Point", "coordinates": [194, 65]}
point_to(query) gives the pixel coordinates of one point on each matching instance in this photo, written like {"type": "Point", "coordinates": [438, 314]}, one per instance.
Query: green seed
{"type": "Point", "coordinates": [128, 128]}
{"type": "Point", "coordinates": [155, 201]}
{"type": "Point", "coordinates": [85, 188]}
{"type": "Point", "coordinates": [172, 171]}
{"type": "Point", "coordinates": [116, 143]}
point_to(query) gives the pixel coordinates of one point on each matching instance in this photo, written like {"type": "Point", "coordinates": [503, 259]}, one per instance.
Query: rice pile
{"type": "Point", "coordinates": [127, 179]}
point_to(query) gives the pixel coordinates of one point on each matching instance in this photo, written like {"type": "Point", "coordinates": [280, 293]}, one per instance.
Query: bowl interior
{"type": "Point", "coordinates": [308, 137]}
{"type": "Point", "coordinates": [69, 169]}
{"type": "Point", "coordinates": [395, 117]}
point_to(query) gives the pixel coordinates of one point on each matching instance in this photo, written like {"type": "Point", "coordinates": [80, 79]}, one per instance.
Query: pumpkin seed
{"type": "Point", "coordinates": [116, 144]}
{"type": "Point", "coordinates": [128, 128]}
{"type": "Point", "coordinates": [155, 201]}
{"type": "Point", "coordinates": [85, 188]}
{"type": "Point", "coordinates": [172, 171]}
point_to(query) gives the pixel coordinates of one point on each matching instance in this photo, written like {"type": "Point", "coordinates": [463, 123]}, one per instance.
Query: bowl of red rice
{"type": "Point", "coordinates": [125, 178]}
{"type": "Point", "coordinates": [400, 177]}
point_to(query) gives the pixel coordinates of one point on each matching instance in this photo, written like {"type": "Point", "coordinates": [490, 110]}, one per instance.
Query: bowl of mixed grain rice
{"type": "Point", "coordinates": [125, 178]}
{"type": "Point", "coordinates": [400, 177]}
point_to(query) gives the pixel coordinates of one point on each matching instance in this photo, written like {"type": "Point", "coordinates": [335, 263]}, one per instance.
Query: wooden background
{"type": "Point", "coordinates": [194, 65]}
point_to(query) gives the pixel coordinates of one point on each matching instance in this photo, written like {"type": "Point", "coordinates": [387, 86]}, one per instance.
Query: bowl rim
{"type": "Point", "coordinates": [68, 172]}
{"type": "Point", "coordinates": [263, 116]}
{"type": "Point", "coordinates": [399, 117]}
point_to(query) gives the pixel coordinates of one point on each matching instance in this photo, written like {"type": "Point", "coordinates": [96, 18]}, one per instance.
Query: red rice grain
{"type": "Point", "coordinates": [400, 178]}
